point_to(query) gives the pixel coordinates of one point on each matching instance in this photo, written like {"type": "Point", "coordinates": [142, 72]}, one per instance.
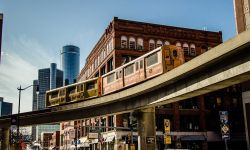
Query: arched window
{"type": "Point", "coordinates": [178, 44]}
{"type": "Point", "coordinates": [167, 43]}
{"type": "Point", "coordinates": [151, 44]}
{"type": "Point", "coordinates": [203, 49]}
{"type": "Point", "coordinates": [186, 49]}
{"type": "Point", "coordinates": [158, 43]}
{"type": "Point", "coordinates": [192, 50]}
{"type": "Point", "coordinates": [132, 43]}
{"type": "Point", "coordinates": [140, 43]}
{"type": "Point", "coordinates": [123, 42]}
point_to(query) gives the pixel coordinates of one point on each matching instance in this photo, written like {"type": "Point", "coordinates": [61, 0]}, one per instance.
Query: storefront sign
{"type": "Point", "coordinates": [150, 140]}
{"type": "Point", "coordinates": [167, 140]}
{"type": "Point", "coordinates": [167, 125]}
{"type": "Point", "coordinates": [93, 135]}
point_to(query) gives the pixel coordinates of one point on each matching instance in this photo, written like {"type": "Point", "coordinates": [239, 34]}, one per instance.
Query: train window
{"type": "Point", "coordinates": [141, 64]}
{"type": "Point", "coordinates": [54, 94]}
{"type": "Point", "coordinates": [136, 66]}
{"type": "Point", "coordinates": [90, 85]}
{"type": "Point", "coordinates": [117, 75]}
{"type": "Point", "coordinates": [79, 88]}
{"type": "Point", "coordinates": [129, 69]}
{"type": "Point", "coordinates": [111, 78]}
{"type": "Point", "coordinates": [120, 73]}
{"type": "Point", "coordinates": [152, 59]}
{"type": "Point", "coordinates": [71, 90]}
{"type": "Point", "coordinates": [175, 53]}
{"type": "Point", "coordinates": [61, 92]}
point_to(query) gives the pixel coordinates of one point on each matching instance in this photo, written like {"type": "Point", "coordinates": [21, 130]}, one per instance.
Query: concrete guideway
{"type": "Point", "coordinates": [222, 66]}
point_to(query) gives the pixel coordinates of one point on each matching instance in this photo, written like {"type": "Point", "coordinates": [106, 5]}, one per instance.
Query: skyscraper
{"type": "Point", "coordinates": [48, 78]}
{"type": "Point", "coordinates": [70, 63]}
{"type": "Point", "coordinates": [5, 108]}
{"type": "Point", "coordinates": [1, 30]}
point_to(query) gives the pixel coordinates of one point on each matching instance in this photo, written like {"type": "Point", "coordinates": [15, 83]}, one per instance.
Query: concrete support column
{"type": "Point", "coordinates": [202, 112]}
{"type": "Point", "coordinates": [176, 116]}
{"type": "Point", "coordinates": [146, 128]}
{"type": "Point", "coordinates": [5, 143]}
{"type": "Point", "coordinates": [246, 111]}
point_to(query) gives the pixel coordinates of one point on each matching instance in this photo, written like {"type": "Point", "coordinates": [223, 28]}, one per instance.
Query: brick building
{"type": "Point", "coordinates": [242, 15]}
{"type": "Point", "coordinates": [125, 40]}
{"type": "Point", "coordinates": [194, 122]}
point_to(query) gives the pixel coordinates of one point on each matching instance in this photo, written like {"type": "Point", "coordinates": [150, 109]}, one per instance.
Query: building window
{"type": "Point", "coordinates": [132, 43]}
{"type": "Point", "coordinates": [151, 44]}
{"type": "Point", "coordinates": [192, 50]}
{"type": "Point", "coordinates": [140, 44]}
{"type": "Point", "coordinates": [167, 43]}
{"type": "Point", "coordinates": [204, 49]}
{"type": "Point", "coordinates": [158, 43]}
{"type": "Point", "coordinates": [110, 46]}
{"type": "Point", "coordinates": [186, 49]}
{"type": "Point", "coordinates": [178, 44]}
{"type": "Point", "coordinates": [123, 42]}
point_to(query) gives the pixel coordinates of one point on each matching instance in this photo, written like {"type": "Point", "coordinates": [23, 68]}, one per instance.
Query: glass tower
{"type": "Point", "coordinates": [48, 78]}
{"type": "Point", "coordinates": [5, 108]}
{"type": "Point", "coordinates": [70, 55]}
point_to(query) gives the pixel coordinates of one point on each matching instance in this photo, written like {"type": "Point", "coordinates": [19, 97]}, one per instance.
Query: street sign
{"type": "Point", "coordinates": [167, 126]}
{"type": "Point", "coordinates": [150, 140]}
{"type": "Point", "coordinates": [167, 137]}
{"type": "Point", "coordinates": [225, 130]}
{"type": "Point", "coordinates": [167, 140]}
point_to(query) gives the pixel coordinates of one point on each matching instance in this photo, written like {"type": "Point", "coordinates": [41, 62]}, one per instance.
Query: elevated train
{"type": "Point", "coordinates": [147, 66]}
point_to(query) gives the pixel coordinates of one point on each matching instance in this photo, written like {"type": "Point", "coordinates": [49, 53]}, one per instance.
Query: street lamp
{"type": "Point", "coordinates": [22, 89]}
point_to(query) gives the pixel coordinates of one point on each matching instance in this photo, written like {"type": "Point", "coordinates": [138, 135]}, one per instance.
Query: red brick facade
{"type": "Point", "coordinates": [242, 15]}
{"type": "Point", "coordinates": [138, 38]}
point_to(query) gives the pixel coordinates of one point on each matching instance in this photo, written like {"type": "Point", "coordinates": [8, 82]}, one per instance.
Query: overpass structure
{"type": "Point", "coordinates": [220, 67]}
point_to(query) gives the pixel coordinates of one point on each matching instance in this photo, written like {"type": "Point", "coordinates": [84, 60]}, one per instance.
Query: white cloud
{"type": "Point", "coordinates": [21, 60]}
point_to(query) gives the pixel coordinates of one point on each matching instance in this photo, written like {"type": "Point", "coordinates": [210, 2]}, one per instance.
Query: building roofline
{"type": "Point", "coordinates": [139, 22]}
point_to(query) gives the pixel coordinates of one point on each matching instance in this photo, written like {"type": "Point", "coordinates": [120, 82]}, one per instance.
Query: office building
{"type": "Point", "coordinates": [70, 55]}
{"type": "Point", "coordinates": [48, 78]}
{"type": "Point", "coordinates": [1, 31]}
{"type": "Point", "coordinates": [5, 108]}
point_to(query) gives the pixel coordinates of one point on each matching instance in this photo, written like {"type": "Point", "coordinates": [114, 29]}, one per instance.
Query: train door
{"type": "Point", "coordinates": [168, 61]}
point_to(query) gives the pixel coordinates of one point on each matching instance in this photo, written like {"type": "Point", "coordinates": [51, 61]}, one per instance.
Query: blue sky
{"type": "Point", "coordinates": [35, 31]}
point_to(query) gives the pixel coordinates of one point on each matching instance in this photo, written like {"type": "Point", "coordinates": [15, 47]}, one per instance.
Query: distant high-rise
{"type": "Point", "coordinates": [48, 78]}
{"type": "Point", "coordinates": [70, 55]}
{"type": "Point", "coordinates": [1, 30]}
{"type": "Point", "coordinates": [5, 108]}
{"type": "Point", "coordinates": [242, 14]}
